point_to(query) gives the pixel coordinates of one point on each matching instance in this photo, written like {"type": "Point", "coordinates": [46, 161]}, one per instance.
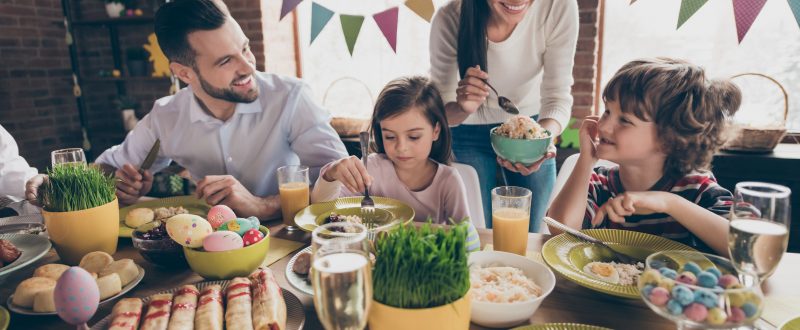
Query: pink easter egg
{"type": "Point", "coordinates": [659, 296]}
{"type": "Point", "coordinates": [222, 240]}
{"type": "Point", "coordinates": [76, 296]}
{"type": "Point", "coordinates": [252, 236]}
{"type": "Point", "coordinates": [220, 214]}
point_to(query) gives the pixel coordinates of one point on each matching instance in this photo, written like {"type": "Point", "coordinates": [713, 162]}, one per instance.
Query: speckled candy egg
{"type": "Point", "coordinates": [220, 214]}
{"type": "Point", "coordinates": [716, 316]}
{"type": "Point", "coordinates": [252, 236]}
{"type": "Point", "coordinates": [240, 226]}
{"type": "Point", "coordinates": [188, 230]}
{"type": "Point", "coordinates": [76, 296]}
{"type": "Point", "coordinates": [222, 240]}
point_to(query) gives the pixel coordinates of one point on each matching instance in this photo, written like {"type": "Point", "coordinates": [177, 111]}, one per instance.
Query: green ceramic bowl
{"type": "Point", "coordinates": [228, 264]}
{"type": "Point", "coordinates": [522, 151]}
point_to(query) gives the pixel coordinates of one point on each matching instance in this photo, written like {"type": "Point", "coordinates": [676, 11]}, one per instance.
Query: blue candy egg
{"type": "Point", "coordinates": [683, 295]}
{"type": "Point", "coordinates": [692, 267]}
{"type": "Point", "coordinates": [714, 271]}
{"type": "Point", "coordinates": [749, 309]}
{"type": "Point", "coordinates": [707, 279]}
{"type": "Point", "coordinates": [668, 273]}
{"type": "Point", "coordinates": [706, 298]}
{"type": "Point", "coordinates": [647, 289]}
{"type": "Point", "coordinates": [674, 307]}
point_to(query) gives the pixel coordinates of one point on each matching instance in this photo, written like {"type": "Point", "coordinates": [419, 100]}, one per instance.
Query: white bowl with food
{"type": "Point", "coordinates": [506, 289]}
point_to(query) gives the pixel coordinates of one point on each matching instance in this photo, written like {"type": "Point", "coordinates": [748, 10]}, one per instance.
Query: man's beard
{"type": "Point", "coordinates": [228, 94]}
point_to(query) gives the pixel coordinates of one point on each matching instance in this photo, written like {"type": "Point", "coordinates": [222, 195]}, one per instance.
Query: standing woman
{"type": "Point", "coordinates": [526, 50]}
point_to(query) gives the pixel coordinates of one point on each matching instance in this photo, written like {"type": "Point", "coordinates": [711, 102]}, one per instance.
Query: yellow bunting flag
{"type": "Point", "coordinates": [423, 8]}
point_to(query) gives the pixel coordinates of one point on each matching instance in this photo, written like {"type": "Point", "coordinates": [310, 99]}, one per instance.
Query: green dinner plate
{"type": "Point", "coordinates": [568, 255]}
{"type": "Point", "coordinates": [560, 326]}
{"type": "Point", "coordinates": [792, 324]}
{"type": "Point", "coordinates": [190, 203]}
{"type": "Point", "coordinates": [32, 247]}
{"type": "Point", "coordinates": [5, 318]}
{"type": "Point", "coordinates": [388, 210]}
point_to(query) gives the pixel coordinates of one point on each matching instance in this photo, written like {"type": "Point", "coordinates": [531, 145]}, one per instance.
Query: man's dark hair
{"type": "Point", "coordinates": [175, 20]}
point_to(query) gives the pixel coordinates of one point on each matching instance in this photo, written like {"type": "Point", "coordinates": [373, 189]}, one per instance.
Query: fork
{"type": "Point", "coordinates": [618, 256]}
{"type": "Point", "coordinates": [367, 204]}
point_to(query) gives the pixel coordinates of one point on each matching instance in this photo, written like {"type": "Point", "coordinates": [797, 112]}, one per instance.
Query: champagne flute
{"type": "Point", "coordinates": [67, 156]}
{"type": "Point", "coordinates": [758, 234]}
{"type": "Point", "coordinates": [341, 275]}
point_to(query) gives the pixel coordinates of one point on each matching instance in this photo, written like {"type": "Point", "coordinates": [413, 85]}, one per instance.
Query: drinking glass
{"type": "Point", "coordinates": [758, 234]}
{"type": "Point", "coordinates": [67, 156]}
{"type": "Point", "coordinates": [341, 275]}
{"type": "Point", "coordinates": [293, 185]}
{"type": "Point", "coordinates": [511, 209]}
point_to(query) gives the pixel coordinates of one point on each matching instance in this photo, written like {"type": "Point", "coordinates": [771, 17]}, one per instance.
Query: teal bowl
{"type": "Point", "coordinates": [522, 151]}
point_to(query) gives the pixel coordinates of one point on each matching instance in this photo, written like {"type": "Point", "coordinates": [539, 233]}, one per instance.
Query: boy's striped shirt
{"type": "Point", "coordinates": [700, 188]}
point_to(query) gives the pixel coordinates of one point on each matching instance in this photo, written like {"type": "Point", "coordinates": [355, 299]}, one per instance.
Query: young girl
{"type": "Point", "coordinates": [411, 161]}
{"type": "Point", "coordinates": [663, 122]}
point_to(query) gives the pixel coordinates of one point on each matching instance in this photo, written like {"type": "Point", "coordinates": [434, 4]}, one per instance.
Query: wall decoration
{"type": "Point", "coordinates": [160, 61]}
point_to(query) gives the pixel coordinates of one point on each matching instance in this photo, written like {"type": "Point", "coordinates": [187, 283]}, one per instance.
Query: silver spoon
{"type": "Point", "coordinates": [503, 101]}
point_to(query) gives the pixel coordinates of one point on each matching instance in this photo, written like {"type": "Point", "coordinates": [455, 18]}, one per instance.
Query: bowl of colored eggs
{"type": "Point", "coordinates": [222, 246]}
{"type": "Point", "coordinates": [700, 290]}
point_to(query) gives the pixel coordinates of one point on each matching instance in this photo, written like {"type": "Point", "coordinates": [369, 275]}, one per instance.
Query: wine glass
{"type": "Point", "coordinates": [67, 156]}
{"type": "Point", "coordinates": [341, 275]}
{"type": "Point", "coordinates": [700, 291]}
{"type": "Point", "coordinates": [758, 234]}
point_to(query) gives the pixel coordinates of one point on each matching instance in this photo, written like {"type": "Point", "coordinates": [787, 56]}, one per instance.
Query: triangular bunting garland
{"type": "Point", "coordinates": [319, 18]}
{"type": "Point", "coordinates": [688, 8]}
{"type": "Point", "coordinates": [795, 5]}
{"type": "Point", "coordinates": [423, 8]}
{"type": "Point", "coordinates": [387, 22]}
{"type": "Point", "coordinates": [351, 26]}
{"type": "Point", "coordinates": [745, 12]}
{"type": "Point", "coordinates": [288, 6]}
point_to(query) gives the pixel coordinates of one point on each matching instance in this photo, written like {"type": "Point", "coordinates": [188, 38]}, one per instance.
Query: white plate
{"type": "Point", "coordinates": [32, 247]}
{"type": "Point", "coordinates": [297, 281]}
{"type": "Point", "coordinates": [29, 311]}
{"type": "Point", "coordinates": [295, 316]}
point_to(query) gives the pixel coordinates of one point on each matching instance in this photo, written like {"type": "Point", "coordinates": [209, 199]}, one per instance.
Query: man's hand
{"type": "Point", "coordinates": [131, 185]}
{"type": "Point", "coordinates": [225, 189]}
{"type": "Point", "coordinates": [32, 188]}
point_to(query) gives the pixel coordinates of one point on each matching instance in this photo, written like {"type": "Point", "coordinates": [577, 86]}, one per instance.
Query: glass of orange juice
{"type": "Point", "coordinates": [511, 213]}
{"type": "Point", "coordinates": [294, 193]}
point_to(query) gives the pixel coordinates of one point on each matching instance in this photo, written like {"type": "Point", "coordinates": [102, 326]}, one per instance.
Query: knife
{"type": "Point", "coordinates": [151, 156]}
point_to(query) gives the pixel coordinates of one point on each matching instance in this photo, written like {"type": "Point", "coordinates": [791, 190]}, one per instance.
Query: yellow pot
{"type": "Point", "coordinates": [76, 233]}
{"type": "Point", "coordinates": [451, 316]}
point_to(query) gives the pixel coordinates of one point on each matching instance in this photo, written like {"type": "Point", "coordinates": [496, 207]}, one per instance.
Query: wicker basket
{"type": "Point", "coordinates": [757, 139]}
{"type": "Point", "coordinates": [348, 127]}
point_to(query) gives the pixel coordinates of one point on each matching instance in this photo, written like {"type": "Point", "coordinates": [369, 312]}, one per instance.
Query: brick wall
{"type": "Point", "coordinates": [585, 69]}
{"type": "Point", "coordinates": [36, 103]}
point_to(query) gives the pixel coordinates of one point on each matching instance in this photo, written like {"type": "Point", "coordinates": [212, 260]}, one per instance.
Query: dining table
{"type": "Point", "coordinates": [568, 302]}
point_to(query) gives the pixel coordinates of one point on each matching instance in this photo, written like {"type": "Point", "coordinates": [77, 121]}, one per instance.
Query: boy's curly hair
{"type": "Point", "coordinates": [688, 110]}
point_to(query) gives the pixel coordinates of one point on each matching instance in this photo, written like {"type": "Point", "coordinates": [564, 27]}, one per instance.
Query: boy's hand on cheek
{"type": "Point", "coordinates": [630, 203]}
{"type": "Point", "coordinates": [589, 137]}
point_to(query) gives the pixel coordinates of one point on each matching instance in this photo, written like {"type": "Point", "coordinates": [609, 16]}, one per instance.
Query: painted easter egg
{"type": "Point", "coordinates": [252, 236]}
{"type": "Point", "coordinates": [220, 214]}
{"type": "Point", "coordinates": [188, 230]}
{"type": "Point", "coordinates": [240, 225]}
{"type": "Point", "coordinates": [222, 240]}
{"type": "Point", "coordinates": [76, 296]}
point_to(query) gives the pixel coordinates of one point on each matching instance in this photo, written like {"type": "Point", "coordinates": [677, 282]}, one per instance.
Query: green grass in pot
{"type": "Point", "coordinates": [421, 267]}
{"type": "Point", "coordinates": [72, 187]}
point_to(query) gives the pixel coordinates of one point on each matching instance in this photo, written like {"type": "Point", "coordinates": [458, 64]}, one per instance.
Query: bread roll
{"type": "Point", "coordinates": [94, 262]}
{"type": "Point", "coordinates": [27, 290]}
{"type": "Point", "coordinates": [109, 285]}
{"type": "Point", "coordinates": [138, 217]}
{"type": "Point", "coordinates": [125, 268]}
{"type": "Point", "coordinates": [52, 271]}
{"type": "Point", "coordinates": [44, 302]}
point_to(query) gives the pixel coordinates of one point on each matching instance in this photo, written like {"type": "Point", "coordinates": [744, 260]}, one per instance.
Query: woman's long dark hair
{"type": "Point", "coordinates": [472, 40]}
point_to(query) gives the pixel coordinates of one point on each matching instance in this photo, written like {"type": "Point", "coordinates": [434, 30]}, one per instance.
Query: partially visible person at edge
{"type": "Point", "coordinates": [526, 50]}
{"type": "Point", "coordinates": [231, 128]}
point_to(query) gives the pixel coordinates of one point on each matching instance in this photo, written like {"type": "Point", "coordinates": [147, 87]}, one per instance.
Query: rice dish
{"type": "Point", "coordinates": [501, 285]}
{"type": "Point", "coordinates": [522, 127]}
{"type": "Point", "coordinates": [614, 273]}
